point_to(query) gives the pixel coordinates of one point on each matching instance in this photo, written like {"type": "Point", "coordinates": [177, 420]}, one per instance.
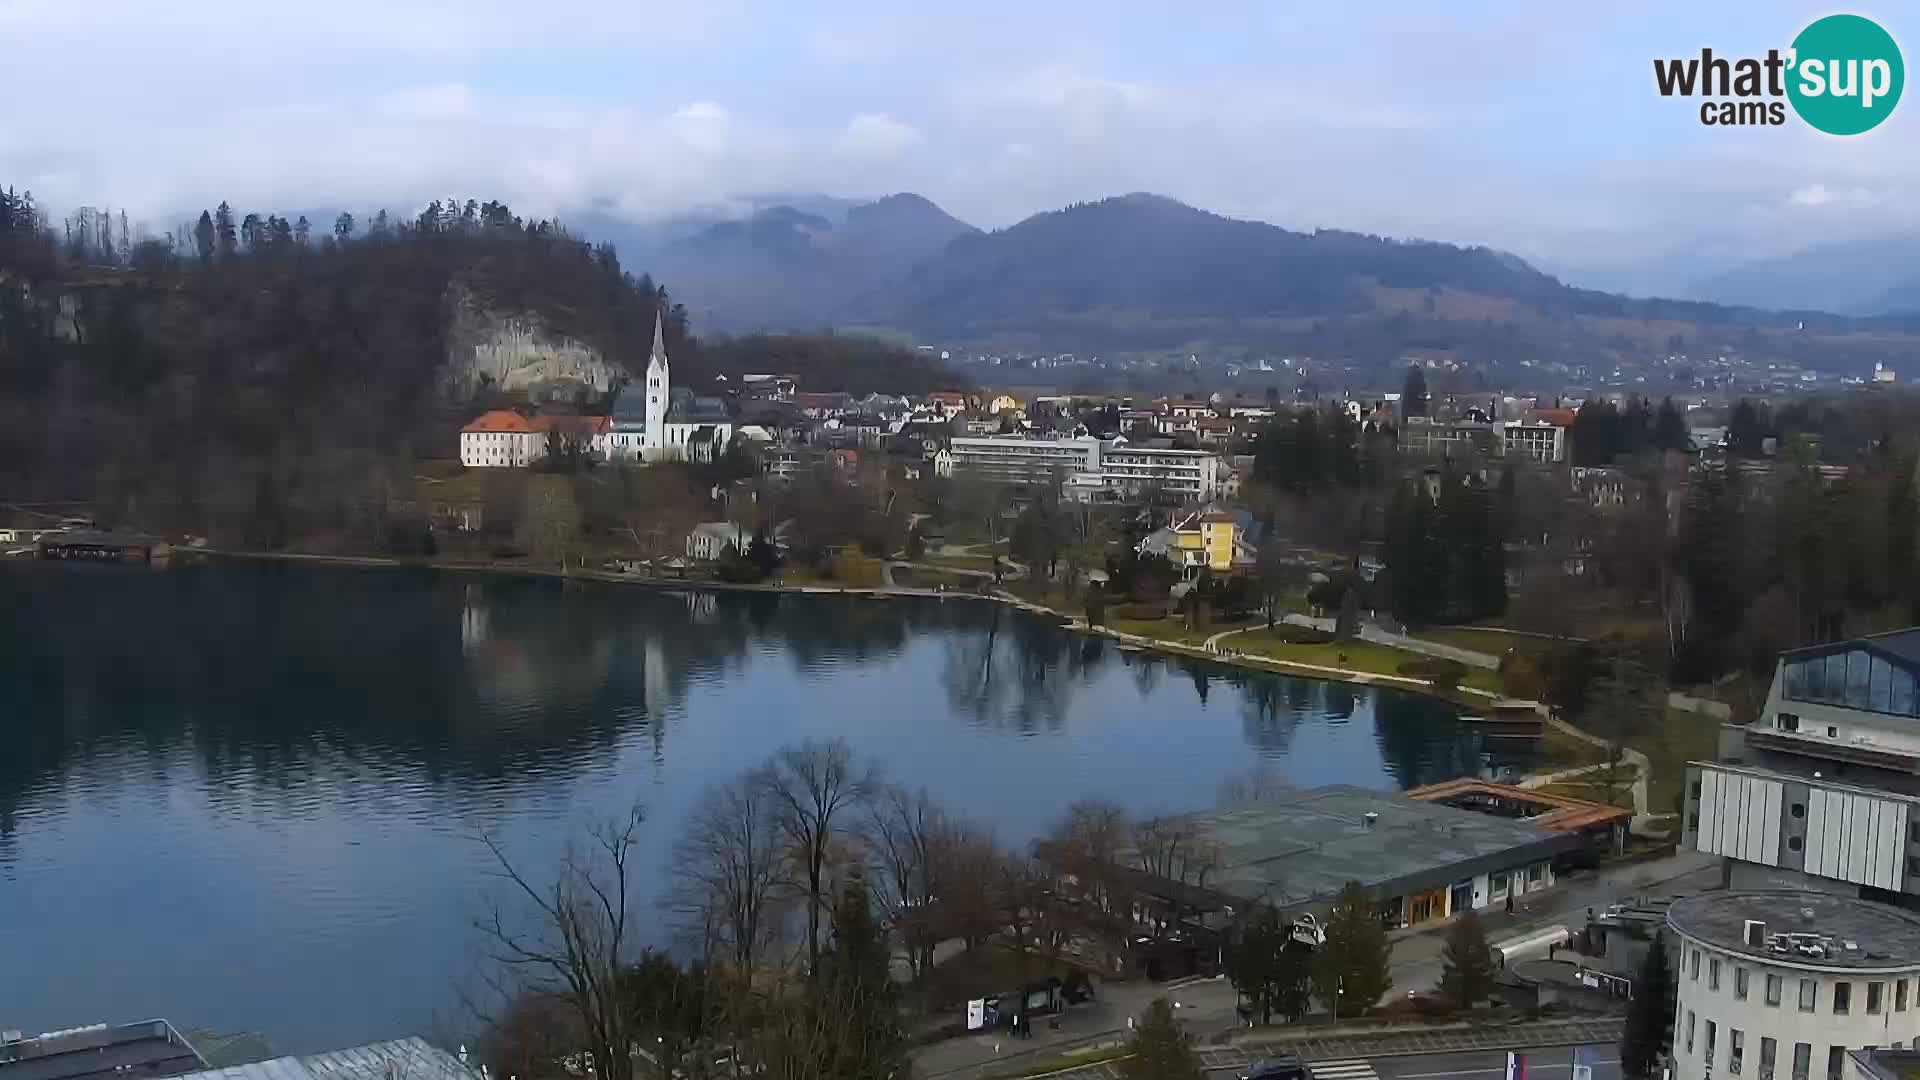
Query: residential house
{"type": "Point", "coordinates": [709, 541]}
{"type": "Point", "coordinates": [1004, 403]}
{"type": "Point", "coordinates": [1201, 541]}
{"type": "Point", "coordinates": [823, 406]}
{"type": "Point", "coordinates": [947, 402]}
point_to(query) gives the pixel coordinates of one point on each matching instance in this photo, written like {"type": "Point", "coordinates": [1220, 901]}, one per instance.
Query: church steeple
{"type": "Point", "coordinates": [659, 339]}
{"type": "Point", "coordinates": [658, 384]}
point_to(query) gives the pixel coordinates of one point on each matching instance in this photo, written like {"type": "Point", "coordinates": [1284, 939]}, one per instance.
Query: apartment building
{"type": "Point", "coordinates": [1089, 468]}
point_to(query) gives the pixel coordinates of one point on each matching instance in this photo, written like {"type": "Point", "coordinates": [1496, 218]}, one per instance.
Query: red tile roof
{"type": "Point", "coordinates": [499, 420]}
{"type": "Point", "coordinates": [1556, 417]}
{"type": "Point", "coordinates": [573, 425]}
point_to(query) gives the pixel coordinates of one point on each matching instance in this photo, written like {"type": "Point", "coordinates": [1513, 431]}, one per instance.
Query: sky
{"type": "Point", "coordinates": [1527, 126]}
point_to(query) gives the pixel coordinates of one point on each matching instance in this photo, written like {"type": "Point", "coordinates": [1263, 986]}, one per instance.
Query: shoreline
{"type": "Point", "coordinates": [1462, 697]}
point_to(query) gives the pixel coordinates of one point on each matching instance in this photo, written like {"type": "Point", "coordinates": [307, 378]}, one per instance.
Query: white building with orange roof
{"type": "Point", "coordinates": [501, 439]}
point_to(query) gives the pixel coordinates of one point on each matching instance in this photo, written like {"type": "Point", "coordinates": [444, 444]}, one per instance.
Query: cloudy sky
{"type": "Point", "coordinates": [1525, 125]}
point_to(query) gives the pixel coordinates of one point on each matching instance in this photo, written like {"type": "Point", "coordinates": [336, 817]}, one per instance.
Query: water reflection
{"type": "Point", "coordinates": [289, 760]}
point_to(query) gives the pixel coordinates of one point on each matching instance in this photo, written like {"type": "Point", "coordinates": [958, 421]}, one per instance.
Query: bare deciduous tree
{"type": "Point", "coordinates": [572, 944]}
{"type": "Point", "coordinates": [813, 787]}
{"type": "Point", "coordinates": [910, 846]}
{"type": "Point", "coordinates": [728, 873]}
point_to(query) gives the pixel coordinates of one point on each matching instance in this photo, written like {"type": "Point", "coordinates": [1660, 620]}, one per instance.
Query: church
{"type": "Point", "coordinates": [655, 422]}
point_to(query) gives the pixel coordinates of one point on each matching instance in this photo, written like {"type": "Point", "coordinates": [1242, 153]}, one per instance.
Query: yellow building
{"type": "Point", "coordinates": [1004, 403]}
{"type": "Point", "coordinates": [1204, 540]}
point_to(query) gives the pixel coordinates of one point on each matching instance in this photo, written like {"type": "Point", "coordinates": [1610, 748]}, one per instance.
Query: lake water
{"type": "Point", "coordinates": [246, 797]}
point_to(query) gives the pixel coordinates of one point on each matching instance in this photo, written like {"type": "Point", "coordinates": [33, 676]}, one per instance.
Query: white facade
{"type": "Point", "coordinates": [654, 439]}
{"type": "Point", "coordinates": [709, 540]}
{"type": "Point", "coordinates": [501, 449]}
{"type": "Point", "coordinates": [1780, 1013]}
{"type": "Point", "coordinates": [1091, 467]}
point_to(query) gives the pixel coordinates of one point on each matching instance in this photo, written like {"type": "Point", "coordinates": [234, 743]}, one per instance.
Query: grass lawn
{"type": "Point", "coordinates": [1353, 655]}
{"type": "Point", "coordinates": [1680, 738]}
{"type": "Point", "coordinates": [1172, 628]}
{"type": "Point", "coordinates": [1593, 789]}
{"type": "Point", "coordinates": [960, 562]}
{"type": "Point", "coordinates": [913, 577]}
{"type": "Point", "coordinates": [1476, 639]}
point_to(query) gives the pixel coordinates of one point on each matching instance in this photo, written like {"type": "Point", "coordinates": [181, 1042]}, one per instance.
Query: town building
{"type": "Point", "coordinates": [1540, 441]}
{"type": "Point", "coordinates": [709, 541]}
{"type": "Point", "coordinates": [656, 422]}
{"type": "Point", "coordinates": [1089, 469]}
{"type": "Point", "coordinates": [1201, 541]}
{"type": "Point", "coordinates": [399, 1059]}
{"type": "Point", "coordinates": [139, 1051]}
{"type": "Point", "coordinates": [1783, 983]}
{"type": "Point", "coordinates": [501, 439]}
{"type": "Point", "coordinates": [1296, 849]}
{"type": "Point", "coordinates": [1822, 789]}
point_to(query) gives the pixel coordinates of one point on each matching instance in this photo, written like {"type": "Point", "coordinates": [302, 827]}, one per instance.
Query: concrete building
{"type": "Point", "coordinates": [1297, 849]}
{"type": "Point", "coordinates": [1540, 441]}
{"type": "Point", "coordinates": [99, 1052]}
{"type": "Point", "coordinates": [1089, 468]}
{"type": "Point", "coordinates": [1785, 984]}
{"type": "Point", "coordinates": [400, 1059]}
{"type": "Point", "coordinates": [1537, 441]}
{"type": "Point", "coordinates": [1820, 790]}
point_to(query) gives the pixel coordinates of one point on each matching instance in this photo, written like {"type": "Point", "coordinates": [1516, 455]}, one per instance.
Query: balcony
{"type": "Point", "coordinates": [1857, 753]}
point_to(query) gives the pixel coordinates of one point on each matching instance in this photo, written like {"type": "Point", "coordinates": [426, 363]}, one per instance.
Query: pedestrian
{"type": "Point", "coordinates": [1509, 903]}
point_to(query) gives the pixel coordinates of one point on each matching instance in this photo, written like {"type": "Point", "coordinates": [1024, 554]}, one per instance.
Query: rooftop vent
{"type": "Point", "coordinates": [1806, 915]}
{"type": "Point", "coordinates": [1755, 934]}
{"type": "Point", "coordinates": [1369, 817]}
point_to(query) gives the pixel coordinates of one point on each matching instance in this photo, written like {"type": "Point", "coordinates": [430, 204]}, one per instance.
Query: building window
{"type": "Point", "coordinates": [1874, 993]}
{"type": "Point", "coordinates": [1913, 864]}
{"type": "Point", "coordinates": [1740, 983]}
{"type": "Point", "coordinates": [1789, 722]}
{"type": "Point", "coordinates": [1842, 998]}
{"type": "Point", "coordinates": [1913, 832]}
{"type": "Point", "coordinates": [1802, 1060]}
{"type": "Point", "coordinates": [1809, 992]}
{"type": "Point", "coordinates": [1713, 974]}
{"type": "Point", "coordinates": [1793, 843]}
{"type": "Point", "coordinates": [1836, 1056]}
{"type": "Point", "coordinates": [1768, 1047]}
{"type": "Point", "coordinates": [1900, 996]}
{"type": "Point", "coordinates": [1736, 1048]}
{"type": "Point", "coordinates": [1713, 1029]}
{"type": "Point", "coordinates": [1773, 989]}
{"type": "Point", "coordinates": [1689, 1031]}
{"type": "Point", "coordinates": [1696, 790]}
{"type": "Point", "coordinates": [1799, 810]}
{"type": "Point", "coordinates": [1497, 884]}
{"type": "Point", "coordinates": [1693, 965]}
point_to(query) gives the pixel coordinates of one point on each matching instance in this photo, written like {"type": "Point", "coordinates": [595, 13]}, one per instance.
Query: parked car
{"type": "Point", "coordinates": [1278, 1067]}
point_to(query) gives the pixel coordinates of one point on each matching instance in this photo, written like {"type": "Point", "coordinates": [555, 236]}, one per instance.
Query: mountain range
{"type": "Point", "coordinates": [1143, 272]}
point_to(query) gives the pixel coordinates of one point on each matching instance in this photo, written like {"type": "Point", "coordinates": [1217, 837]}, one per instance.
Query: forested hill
{"type": "Point", "coordinates": [264, 357]}
{"type": "Point", "coordinates": [1146, 272]}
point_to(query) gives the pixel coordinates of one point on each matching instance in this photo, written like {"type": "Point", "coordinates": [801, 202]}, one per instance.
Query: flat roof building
{"type": "Point", "coordinates": [1297, 849]}
{"type": "Point", "coordinates": [1786, 984]}
{"type": "Point", "coordinates": [151, 1048]}
{"type": "Point", "coordinates": [1090, 468]}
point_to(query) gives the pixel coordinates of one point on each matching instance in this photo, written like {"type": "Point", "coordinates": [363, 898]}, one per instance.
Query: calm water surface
{"type": "Point", "coordinates": [245, 797]}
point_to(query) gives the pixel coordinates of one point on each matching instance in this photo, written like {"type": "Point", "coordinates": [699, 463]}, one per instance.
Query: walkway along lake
{"type": "Point", "coordinates": [245, 796]}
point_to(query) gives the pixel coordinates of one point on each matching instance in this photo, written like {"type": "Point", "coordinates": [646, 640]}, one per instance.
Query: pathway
{"type": "Point", "coordinates": [1628, 755]}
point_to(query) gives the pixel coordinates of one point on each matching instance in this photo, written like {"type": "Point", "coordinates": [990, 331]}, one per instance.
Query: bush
{"type": "Point", "coordinates": [1444, 674]}
{"type": "Point", "coordinates": [1140, 612]}
{"type": "Point", "coordinates": [1522, 676]}
{"type": "Point", "coordinates": [1302, 635]}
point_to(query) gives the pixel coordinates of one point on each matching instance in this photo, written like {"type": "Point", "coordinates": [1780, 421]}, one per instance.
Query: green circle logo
{"type": "Point", "coordinates": [1846, 74]}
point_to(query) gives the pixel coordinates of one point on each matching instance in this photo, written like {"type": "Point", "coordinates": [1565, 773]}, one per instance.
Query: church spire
{"type": "Point", "coordinates": [659, 338]}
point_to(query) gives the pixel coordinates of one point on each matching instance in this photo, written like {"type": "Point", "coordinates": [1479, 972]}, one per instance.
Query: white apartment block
{"type": "Point", "coordinates": [1090, 468]}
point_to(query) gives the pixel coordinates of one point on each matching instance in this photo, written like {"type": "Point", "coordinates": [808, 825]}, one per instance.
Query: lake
{"type": "Point", "coordinates": [247, 796]}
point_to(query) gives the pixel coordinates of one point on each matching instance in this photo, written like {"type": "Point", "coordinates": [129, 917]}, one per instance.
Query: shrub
{"type": "Point", "coordinates": [1302, 635]}
{"type": "Point", "coordinates": [1140, 612]}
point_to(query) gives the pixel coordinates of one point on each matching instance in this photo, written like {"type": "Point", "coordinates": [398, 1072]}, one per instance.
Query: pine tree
{"type": "Point", "coordinates": [1669, 428]}
{"type": "Point", "coordinates": [203, 237]}
{"type": "Point", "coordinates": [226, 239]}
{"type": "Point", "coordinates": [1649, 1031]}
{"type": "Point", "coordinates": [1413, 394]}
{"type": "Point", "coordinates": [1467, 975]}
{"type": "Point", "coordinates": [1351, 975]}
{"type": "Point", "coordinates": [1159, 1049]}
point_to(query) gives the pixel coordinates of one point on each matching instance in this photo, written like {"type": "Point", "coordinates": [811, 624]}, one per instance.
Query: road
{"type": "Point", "coordinates": [1554, 1063]}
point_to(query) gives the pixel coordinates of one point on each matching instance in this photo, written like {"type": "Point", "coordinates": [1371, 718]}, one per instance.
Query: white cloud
{"type": "Point", "coordinates": [439, 101]}
{"type": "Point", "coordinates": [1822, 195]}
{"type": "Point", "coordinates": [877, 135]}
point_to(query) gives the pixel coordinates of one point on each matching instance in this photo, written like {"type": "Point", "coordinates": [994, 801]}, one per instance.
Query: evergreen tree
{"type": "Point", "coordinates": [1159, 1049]}
{"type": "Point", "coordinates": [1413, 393]}
{"type": "Point", "coordinates": [1351, 974]}
{"type": "Point", "coordinates": [227, 241]}
{"type": "Point", "coordinates": [1746, 431]}
{"type": "Point", "coordinates": [204, 237]}
{"type": "Point", "coordinates": [1649, 1030]}
{"type": "Point", "coordinates": [1669, 428]}
{"type": "Point", "coordinates": [1467, 977]}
